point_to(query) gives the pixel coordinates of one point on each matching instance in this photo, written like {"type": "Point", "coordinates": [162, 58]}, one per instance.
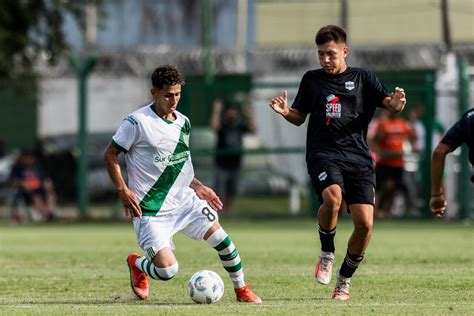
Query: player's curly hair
{"type": "Point", "coordinates": [330, 33]}
{"type": "Point", "coordinates": [166, 75]}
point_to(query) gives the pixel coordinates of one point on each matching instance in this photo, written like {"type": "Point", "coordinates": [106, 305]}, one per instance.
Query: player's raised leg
{"type": "Point", "coordinates": [230, 259]}
{"type": "Point", "coordinates": [327, 215]}
{"type": "Point", "coordinates": [362, 217]}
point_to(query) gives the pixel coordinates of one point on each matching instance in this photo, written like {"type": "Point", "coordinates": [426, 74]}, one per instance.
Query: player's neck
{"type": "Point", "coordinates": [342, 69]}
{"type": "Point", "coordinates": [170, 116]}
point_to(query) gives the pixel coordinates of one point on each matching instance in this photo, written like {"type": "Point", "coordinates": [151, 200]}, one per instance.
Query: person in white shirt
{"type": "Point", "coordinates": [162, 195]}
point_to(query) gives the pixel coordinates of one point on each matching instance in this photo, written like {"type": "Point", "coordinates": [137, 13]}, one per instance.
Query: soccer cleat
{"type": "Point", "coordinates": [342, 290]}
{"type": "Point", "coordinates": [138, 279]}
{"type": "Point", "coordinates": [323, 271]}
{"type": "Point", "coordinates": [245, 294]}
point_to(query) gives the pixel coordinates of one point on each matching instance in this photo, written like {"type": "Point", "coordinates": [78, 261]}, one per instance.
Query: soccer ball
{"type": "Point", "coordinates": [205, 287]}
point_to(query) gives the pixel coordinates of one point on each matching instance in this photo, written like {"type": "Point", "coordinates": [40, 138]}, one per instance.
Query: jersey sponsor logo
{"type": "Point", "coordinates": [333, 108]}
{"type": "Point", "coordinates": [349, 85]}
{"type": "Point", "coordinates": [322, 176]}
{"type": "Point", "coordinates": [173, 159]}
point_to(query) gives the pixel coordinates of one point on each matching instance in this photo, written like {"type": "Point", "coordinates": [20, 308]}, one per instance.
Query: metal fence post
{"type": "Point", "coordinates": [82, 71]}
{"type": "Point", "coordinates": [463, 178]}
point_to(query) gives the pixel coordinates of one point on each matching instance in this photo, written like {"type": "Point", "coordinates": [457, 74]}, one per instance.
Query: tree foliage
{"type": "Point", "coordinates": [30, 29]}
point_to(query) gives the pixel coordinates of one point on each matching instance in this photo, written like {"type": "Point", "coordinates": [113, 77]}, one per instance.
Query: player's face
{"type": "Point", "coordinates": [332, 57]}
{"type": "Point", "coordinates": [166, 99]}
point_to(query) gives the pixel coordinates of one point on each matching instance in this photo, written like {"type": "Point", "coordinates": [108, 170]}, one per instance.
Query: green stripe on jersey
{"type": "Point", "coordinates": [155, 198]}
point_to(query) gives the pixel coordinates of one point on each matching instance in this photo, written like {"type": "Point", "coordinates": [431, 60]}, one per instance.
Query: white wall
{"type": "Point", "coordinates": [109, 100]}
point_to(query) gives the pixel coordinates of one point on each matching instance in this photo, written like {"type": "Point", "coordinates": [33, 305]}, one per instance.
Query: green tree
{"type": "Point", "coordinates": [31, 28]}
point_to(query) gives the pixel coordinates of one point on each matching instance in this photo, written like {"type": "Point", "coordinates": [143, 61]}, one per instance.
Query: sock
{"type": "Point", "coordinates": [229, 256]}
{"type": "Point", "coordinates": [163, 274]}
{"type": "Point", "coordinates": [350, 265]}
{"type": "Point", "coordinates": [327, 239]}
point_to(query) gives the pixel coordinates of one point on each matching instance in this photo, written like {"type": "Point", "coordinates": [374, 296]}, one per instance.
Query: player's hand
{"type": "Point", "coordinates": [398, 98]}
{"type": "Point", "coordinates": [279, 104]}
{"type": "Point", "coordinates": [438, 205]}
{"type": "Point", "coordinates": [207, 194]}
{"type": "Point", "coordinates": [218, 105]}
{"type": "Point", "coordinates": [130, 204]}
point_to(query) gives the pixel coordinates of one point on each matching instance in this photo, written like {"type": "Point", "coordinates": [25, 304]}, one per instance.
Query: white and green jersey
{"type": "Point", "coordinates": [158, 159]}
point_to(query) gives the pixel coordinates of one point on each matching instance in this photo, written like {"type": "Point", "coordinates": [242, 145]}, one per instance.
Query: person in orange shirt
{"type": "Point", "coordinates": [390, 136]}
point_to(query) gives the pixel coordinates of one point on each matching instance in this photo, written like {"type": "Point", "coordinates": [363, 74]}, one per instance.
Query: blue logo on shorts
{"type": "Point", "coordinates": [322, 176]}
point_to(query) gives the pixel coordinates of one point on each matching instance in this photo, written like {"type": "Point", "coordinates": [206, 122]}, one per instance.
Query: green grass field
{"type": "Point", "coordinates": [411, 268]}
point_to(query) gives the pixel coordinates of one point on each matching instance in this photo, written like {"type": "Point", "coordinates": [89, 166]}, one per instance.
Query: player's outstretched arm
{"type": "Point", "coordinates": [207, 194]}
{"type": "Point", "coordinates": [128, 198]}
{"type": "Point", "coordinates": [279, 104]}
{"type": "Point", "coordinates": [396, 101]}
{"type": "Point", "coordinates": [438, 201]}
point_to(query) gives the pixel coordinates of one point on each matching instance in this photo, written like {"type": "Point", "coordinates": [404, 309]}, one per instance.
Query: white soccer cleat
{"type": "Point", "coordinates": [342, 290]}
{"type": "Point", "coordinates": [323, 271]}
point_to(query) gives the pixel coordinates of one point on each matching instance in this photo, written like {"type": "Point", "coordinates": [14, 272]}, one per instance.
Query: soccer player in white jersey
{"type": "Point", "coordinates": [162, 196]}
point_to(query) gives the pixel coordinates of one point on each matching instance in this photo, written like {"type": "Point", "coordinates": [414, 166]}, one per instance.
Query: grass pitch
{"type": "Point", "coordinates": [411, 268]}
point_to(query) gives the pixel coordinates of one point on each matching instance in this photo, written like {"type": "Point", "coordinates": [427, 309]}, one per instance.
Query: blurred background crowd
{"type": "Point", "coordinates": [71, 70]}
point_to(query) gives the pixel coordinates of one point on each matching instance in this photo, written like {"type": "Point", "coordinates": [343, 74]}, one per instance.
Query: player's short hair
{"type": "Point", "coordinates": [166, 75]}
{"type": "Point", "coordinates": [330, 33]}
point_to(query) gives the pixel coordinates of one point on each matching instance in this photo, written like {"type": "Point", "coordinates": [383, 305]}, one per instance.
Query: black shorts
{"type": "Point", "coordinates": [28, 196]}
{"type": "Point", "coordinates": [385, 173]}
{"type": "Point", "coordinates": [356, 181]}
{"type": "Point", "coordinates": [227, 182]}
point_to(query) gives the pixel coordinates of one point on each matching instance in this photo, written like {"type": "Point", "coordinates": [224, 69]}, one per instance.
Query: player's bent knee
{"type": "Point", "coordinates": [364, 228]}
{"type": "Point", "coordinates": [332, 197]}
{"type": "Point", "coordinates": [168, 273]}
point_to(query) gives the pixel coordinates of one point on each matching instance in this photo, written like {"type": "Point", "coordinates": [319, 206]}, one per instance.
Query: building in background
{"type": "Point", "coordinates": [271, 41]}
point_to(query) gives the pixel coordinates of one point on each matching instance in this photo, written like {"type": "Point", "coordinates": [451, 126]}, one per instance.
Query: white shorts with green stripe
{"type": "Point", "coordinates": [156, 232]}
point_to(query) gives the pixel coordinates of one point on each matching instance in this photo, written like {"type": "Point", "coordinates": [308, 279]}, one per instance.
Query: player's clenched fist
{"type": "Point", "coordinates": [438, 205]}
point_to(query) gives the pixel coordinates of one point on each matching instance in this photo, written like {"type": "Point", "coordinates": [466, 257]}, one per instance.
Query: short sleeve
{"type": "Point", "coordinates": [127, 134]}
{"type": "Point", "coordinates": [455, 135]}
{"type": "Point", "coordinates": [303, 100]}
{"type": "Point", "coordinates": [374, 90]}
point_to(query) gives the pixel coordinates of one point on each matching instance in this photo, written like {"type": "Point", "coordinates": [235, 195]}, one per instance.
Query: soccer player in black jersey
{"type": "Point", "coordinates": [341, 101]}
{"type": "Point", "coordinates": [461, 132]}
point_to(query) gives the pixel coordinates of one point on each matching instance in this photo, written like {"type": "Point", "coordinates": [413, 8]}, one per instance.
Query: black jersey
{"type": "Point", "coordinates": [229, 137]}
{"type": "Point", "coordinates": [340, 107]}
{"type": "Point", "coordinates": [462, 132]}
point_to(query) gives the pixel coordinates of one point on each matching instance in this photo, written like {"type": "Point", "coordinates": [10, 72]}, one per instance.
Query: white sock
{"type": "Point", "coordinates": [229, 256]}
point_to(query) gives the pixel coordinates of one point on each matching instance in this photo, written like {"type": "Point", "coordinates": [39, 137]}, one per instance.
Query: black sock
{"type": "Point", "coordinates": [327, 239]}
{"type": "Point", "coordinates": [350, 265]}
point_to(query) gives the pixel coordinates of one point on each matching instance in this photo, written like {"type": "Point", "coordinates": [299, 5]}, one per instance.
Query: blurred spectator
{"type": "Point", "coordinates": [389, 138]}
{"type": "Point", "coordinates": [2, 148]}
{"type": "Point", "coordinates": [417, 125]}
{"type": "Point", "coordinates": [33, 185]}
{"type": "Point", "coordinates": [414, 183]}
{"type": "Point", "coordinates": [373, 126]}
{"type": "Point", "coordinates": [420, 129]}
{"type": "Point", "coordinates": [230, 127]}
